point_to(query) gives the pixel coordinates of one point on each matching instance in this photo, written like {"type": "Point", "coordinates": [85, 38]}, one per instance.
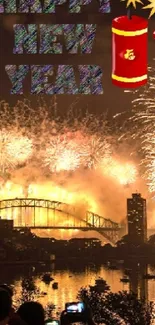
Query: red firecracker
{"type": "Point", "coordinates": [129, 51]}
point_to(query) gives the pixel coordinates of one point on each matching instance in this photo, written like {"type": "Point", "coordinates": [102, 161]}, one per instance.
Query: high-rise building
{"type": "Point", "coordinates": [137, 219]}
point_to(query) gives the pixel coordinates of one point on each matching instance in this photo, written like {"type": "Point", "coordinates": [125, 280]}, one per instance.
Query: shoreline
{"type": "Point", "coordinates": [90, 261]}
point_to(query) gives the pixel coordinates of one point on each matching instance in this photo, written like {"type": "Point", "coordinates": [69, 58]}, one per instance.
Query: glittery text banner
{"type": "Point", "coordinates": [42, 39]}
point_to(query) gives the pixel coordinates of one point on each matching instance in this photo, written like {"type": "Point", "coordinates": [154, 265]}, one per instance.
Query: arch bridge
{"type": "Point", "coordinates": [56, 215]}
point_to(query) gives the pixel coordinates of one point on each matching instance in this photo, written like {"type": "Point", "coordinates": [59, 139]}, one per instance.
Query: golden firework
{"type": "Point", "coordinates": [133, 2]}
{"type": "Point", "coordinates": [151, 6]}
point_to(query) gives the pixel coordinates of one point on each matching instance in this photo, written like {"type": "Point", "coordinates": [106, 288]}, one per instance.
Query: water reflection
{"type": "Point", "coordinates": [138, 284]}
{"type": "Point", "coordinates": [71, 278]}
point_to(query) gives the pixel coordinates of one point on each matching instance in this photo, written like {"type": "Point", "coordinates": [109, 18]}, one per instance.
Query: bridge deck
{"type": "Point", "coordinates": [69, 227]}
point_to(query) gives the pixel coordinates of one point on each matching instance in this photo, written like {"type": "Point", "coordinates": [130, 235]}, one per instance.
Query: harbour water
{"type": "Point", "coordinates": [71, 278]}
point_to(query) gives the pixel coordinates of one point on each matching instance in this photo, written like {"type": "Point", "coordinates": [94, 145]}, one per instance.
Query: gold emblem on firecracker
{"type": "Point", "coordinates": [129, 55]}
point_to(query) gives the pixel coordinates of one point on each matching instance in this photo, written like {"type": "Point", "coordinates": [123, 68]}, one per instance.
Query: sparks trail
{"type": "Point", "coordinates": [139, 129]}
{"type": "Point", "coordinates": [144, 108]}
{"type": "Point", "coordinates": [74, 159]}
{"type": "Point", "coordinates": [41, 141]}
{"type": "Point", "coordinates": [15, 149]}
{"type": "Point", "coordinates": [61, 143]}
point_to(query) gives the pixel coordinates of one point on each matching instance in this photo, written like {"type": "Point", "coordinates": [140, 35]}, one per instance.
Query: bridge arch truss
{"type": "Point", "coordinates": [56, 215]}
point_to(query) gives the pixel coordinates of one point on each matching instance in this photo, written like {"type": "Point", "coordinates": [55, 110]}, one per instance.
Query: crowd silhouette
{"type": "Point", "coordinates": [109, 309]}
{"type": "Point", "coordinates": [32, 313]}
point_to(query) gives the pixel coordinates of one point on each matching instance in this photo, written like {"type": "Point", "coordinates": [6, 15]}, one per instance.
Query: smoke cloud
{"type": "Point", "coordinates": [80, 162]}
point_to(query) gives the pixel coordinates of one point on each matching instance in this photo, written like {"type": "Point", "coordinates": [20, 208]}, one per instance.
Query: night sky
{"type": "Point", "coordinates": [114, 99]}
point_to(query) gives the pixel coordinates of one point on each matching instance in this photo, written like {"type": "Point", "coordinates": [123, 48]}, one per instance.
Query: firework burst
{"type": "Point", "coordinates": [14, 149]}
{"type": "Point", "coordinates": [20, 149]}
{"type": "Point", "coordinates": [96, 150]}
{"type": "Point", "coordinates": [144, 119]}
{"type": "Point", "coordinates": [62, 154]}
{"type": "Point", "coordinates": [5, 159]}
{"type": "Point", "coordinates": [61, 143]}
{"type": "Point", "coordinates": [139, 132]}
{"type": "Point", "coordinates": [69, 160]}
{"type": "Point", "coordinates": [123, 172]}
{"type": "Point", "coordinates": [74, 150]}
